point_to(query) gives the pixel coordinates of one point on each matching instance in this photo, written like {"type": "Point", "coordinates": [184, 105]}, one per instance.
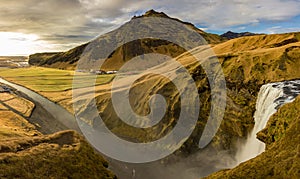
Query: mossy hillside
{"type": "Point", "coordinates": [62, 60]}
{"type": "Point", "coordinates": [257, 67]}
{"type": "Point", "coordinates": [279, 124]}
{"type": "Point", "coordinates": [61, 155]}
{"type": "Point", "coordinates": [40, 58]}
{"type": "Point", "coordinates": [245, 71]}
{"type": "Point", "coordinates": [262, 61]}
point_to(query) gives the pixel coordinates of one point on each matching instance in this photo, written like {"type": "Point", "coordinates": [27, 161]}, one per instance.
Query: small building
{"type": "Point", "coordinates": [100, 72]}
{"type": "Point", "coordinates": [111, 72]}
{"type": "Point", "coordinates": [97, 72]}
{"type": "Point", "coordinates": [4, 89]}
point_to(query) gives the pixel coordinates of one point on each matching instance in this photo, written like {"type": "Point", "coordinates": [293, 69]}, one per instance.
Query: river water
{"type": "Point", "coordinates": [58, 112]}
{"type": "Point", "coordinates": [271, 97]}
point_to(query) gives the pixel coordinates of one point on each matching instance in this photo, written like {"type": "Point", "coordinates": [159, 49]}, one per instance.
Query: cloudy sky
{"type": "Point", "coordinates": [30, 26]}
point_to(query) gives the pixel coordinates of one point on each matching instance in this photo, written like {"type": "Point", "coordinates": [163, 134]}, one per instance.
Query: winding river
{"type": "Point", "coordinates": [61, 119]}
{"type": "Point", "coordinates": [270, 98]}
{"type": "Point", "coordinates": [53, 118]}
{"type": "Point", "coordinates": [58, 112]}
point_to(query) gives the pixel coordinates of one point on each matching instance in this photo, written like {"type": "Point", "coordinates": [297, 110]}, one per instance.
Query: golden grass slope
{"type": "Point", "coordinates": [257, 42]}
{"type": "Point", "coordinates": [264, 58]}
{"type": "Point", "coordinates": [60, 155]}
{"type": "Point", "coordinates": [248, 63]}
{"type": "Point", "coordinates": [245, 71]}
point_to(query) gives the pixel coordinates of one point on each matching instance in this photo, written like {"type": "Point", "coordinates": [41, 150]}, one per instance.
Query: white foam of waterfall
{"type": "Point", "coordinates": [270, 98]}
{"type": "Point", "coordinates": [265, 107]}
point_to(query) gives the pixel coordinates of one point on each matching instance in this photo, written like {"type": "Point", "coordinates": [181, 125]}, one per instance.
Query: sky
{"type": "Point", "coordinates": [31, 26]}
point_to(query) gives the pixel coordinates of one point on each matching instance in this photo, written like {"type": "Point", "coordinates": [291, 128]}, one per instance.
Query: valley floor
{"type": "Point", "coordinates": [54, 84]}
{"type": "Point", "coordinates": [27, 153]}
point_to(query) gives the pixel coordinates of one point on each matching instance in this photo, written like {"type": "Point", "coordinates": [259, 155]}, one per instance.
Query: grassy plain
{"type": "Point", "coordinates": [48, 79]}
{"type": "Point", "coordinates": [54, 84]}
{"type": "Point", "coordinates": [13, 111]}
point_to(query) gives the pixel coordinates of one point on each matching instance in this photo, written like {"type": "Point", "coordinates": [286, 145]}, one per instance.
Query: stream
{"type": "Point", "coordinates": [58, 112]}
{"type": "Point", "coordinates": [271, 97]}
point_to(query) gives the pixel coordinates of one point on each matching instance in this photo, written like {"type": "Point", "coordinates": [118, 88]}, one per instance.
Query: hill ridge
{"type": "Point", "coordinates": [68, 60]}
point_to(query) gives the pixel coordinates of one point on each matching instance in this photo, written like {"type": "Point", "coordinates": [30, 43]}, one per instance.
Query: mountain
{"type": "Point", "coordinates": [209, 37]}
{"type": "Point", "coordinates": [62, 60]}
{"type": "Point", "coordinates": [68, 60]}
{"type": "Point", "coordinates": [247, 63]}
{"type": "Point", "coordinates": [233, 35]}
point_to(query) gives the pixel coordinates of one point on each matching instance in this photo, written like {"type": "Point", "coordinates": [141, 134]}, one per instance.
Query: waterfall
{"type": "Point", "coordinates": [270, 97]}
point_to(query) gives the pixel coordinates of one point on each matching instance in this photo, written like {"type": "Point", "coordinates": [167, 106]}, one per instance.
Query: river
{"type": "Point", "coordinates": [271, 97]}
{"type": "Point", "coordinates": [58, 112]}
{"type": "Point", "coordinates": [52, 118]}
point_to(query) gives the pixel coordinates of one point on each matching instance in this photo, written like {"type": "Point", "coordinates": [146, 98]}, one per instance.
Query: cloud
{"type": "Point", "coordinates": [77, 21]}
{"type": "Point", "coordinates": [224, 13]}
{"type": "Point", "coordinates": [280, 29]}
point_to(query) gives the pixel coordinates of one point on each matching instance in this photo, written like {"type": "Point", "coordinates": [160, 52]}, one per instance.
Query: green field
{"type": "Point", "coordinates": [51, 80]}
